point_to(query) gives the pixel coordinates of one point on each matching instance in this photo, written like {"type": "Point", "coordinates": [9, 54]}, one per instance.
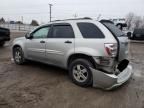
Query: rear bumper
{"type": "Point", "coordinates": [110, 81]}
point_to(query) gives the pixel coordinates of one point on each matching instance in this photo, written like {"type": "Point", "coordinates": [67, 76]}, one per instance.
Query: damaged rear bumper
{"type": "Point", "coordinates": [110, 81]}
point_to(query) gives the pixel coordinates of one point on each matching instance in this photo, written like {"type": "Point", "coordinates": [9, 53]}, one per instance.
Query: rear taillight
{"type": "Point", "coordinates": [111, 49]}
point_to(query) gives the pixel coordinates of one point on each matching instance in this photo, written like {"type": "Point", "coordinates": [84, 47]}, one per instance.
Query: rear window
{"type": "Point", "coordinates": [115, 30]}
{"type": "Point", "coordinates": [90, 30]}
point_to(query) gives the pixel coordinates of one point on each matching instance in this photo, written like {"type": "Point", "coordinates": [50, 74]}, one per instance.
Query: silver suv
{"type": "Point", "coordinates": [95, 53]}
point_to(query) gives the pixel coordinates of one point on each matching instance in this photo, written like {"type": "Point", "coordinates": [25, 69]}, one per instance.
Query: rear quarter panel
{"type": "Point", "coordinates": [94, 46]}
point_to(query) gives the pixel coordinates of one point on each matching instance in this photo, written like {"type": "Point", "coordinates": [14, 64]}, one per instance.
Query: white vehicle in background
{"type": "Point", "coordinates": [122, 25]}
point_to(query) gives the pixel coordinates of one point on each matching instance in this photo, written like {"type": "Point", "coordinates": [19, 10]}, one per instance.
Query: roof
{"type": "Point", "coordinates": [85, 18]}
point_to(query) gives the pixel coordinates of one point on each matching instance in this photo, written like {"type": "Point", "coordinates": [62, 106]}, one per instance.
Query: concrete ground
{"type": "Point", "coordinates": [36, 85]}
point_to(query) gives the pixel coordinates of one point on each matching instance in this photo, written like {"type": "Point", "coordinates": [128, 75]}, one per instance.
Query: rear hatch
{"type": "Point", "coordinates": [121, 38]}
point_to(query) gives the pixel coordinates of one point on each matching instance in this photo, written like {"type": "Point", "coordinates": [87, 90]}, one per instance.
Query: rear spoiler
{"type": "Point", "coordinates": [106, 21]}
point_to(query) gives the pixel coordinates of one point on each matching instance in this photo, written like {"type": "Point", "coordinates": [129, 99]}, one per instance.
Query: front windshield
{"type": "Point", "coordinates": [115, 30]}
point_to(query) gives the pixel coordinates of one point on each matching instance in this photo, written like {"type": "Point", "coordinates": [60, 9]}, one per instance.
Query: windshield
{"type": "Point", "coordinates": [115, 30]}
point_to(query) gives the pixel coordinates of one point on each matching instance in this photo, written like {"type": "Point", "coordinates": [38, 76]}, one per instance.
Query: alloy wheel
{"type": "Point", "coordinates": [80, 73]}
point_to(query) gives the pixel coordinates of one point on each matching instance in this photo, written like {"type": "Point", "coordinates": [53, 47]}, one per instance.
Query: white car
{"type": "Point", "coordinates": [94, 53]}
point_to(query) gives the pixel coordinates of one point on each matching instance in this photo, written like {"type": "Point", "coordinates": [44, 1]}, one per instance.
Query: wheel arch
{"type": "Point", "coordinates": [17, 45]}
{"type": "Point", "coordinates": [82, 56]}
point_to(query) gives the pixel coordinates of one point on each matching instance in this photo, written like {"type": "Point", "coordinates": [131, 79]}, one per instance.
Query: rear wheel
{"type": "Point", "coordinates": [18, 55]}
{"type": "Point", "coordinates": [80, 73]}
{"type": "Point", "coordinates": [2, 44]}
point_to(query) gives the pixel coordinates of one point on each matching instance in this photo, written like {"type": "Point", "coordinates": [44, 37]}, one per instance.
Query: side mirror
{"type": "Point", "coordinates": [28, 36]}
{"type": "Point", "coordinates": [129, 34]}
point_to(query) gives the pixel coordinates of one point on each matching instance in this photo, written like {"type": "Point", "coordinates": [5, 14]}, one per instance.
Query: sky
{"type": "Point", "coordinates": [63, 9]}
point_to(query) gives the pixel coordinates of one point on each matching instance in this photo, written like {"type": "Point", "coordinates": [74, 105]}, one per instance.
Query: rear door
{"type": "Point", "coordinates": [59, 43]}
{"type": "Point", "coordinates": [121, 38]}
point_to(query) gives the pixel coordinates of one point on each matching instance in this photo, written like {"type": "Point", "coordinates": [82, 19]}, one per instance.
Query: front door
{"type": "Point", "coordinates": [36, 46]}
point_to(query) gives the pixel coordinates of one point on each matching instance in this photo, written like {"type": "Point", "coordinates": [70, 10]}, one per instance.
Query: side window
{"type": "Point", "coordinates": [41, 33]}
{"type": "Point", "coordinates": [90, 30]}
{"type": "Point", "coordinates": [62, 31]}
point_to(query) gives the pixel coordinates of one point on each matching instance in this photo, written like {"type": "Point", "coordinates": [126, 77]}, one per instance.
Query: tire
{"type": "Point", "coordinates": [79, 67]}
{"type": "Point", "coordinates": [2, 44]}
{"type": "Point", "coordinates": [18, 56]}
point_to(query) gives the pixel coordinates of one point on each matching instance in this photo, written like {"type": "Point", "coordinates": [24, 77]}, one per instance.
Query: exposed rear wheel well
{"type": "Point", "coordinates": [82, 56]}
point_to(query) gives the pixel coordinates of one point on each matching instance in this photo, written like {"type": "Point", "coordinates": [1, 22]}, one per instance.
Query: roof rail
{"type": "Point", "coordinates": [85, 18]}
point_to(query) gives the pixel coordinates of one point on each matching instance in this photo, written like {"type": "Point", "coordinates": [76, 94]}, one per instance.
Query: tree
{"type": "Point", "coordinates": [129, 19]}
{"type": "Point", "coordinates": [34, 23]}
{"type": "Point", "coordinates": [18, 22]}
{"type": "Point", "coordinates": [137, 22]}
{"type": "Point", "coordinates": [2, 20]}
{"type": "Point", "coordinates": [142, 23]}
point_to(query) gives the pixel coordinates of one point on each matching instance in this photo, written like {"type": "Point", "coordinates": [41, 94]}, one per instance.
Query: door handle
{"type": "Point", "coordinates": [42, 41]}
{"type": "Point", "coordinates": [68, 42]}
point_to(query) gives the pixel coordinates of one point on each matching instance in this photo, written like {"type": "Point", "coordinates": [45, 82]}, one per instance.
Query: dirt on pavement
{"type": "Point", "coordinates": [36, 85]}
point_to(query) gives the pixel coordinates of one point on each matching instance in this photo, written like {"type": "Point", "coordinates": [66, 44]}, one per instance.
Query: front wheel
{"type": "Point", "coordinates": [80, 73]}
{"type": "Point", "coordinates": [18, 55]}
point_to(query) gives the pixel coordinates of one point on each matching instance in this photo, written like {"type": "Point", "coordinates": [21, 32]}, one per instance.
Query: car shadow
{"type": "Point", "coordinates": [46, 67]}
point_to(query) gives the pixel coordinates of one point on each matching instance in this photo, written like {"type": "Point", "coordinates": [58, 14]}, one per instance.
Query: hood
{"type": "Point", "coordinates": [20, 38]}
